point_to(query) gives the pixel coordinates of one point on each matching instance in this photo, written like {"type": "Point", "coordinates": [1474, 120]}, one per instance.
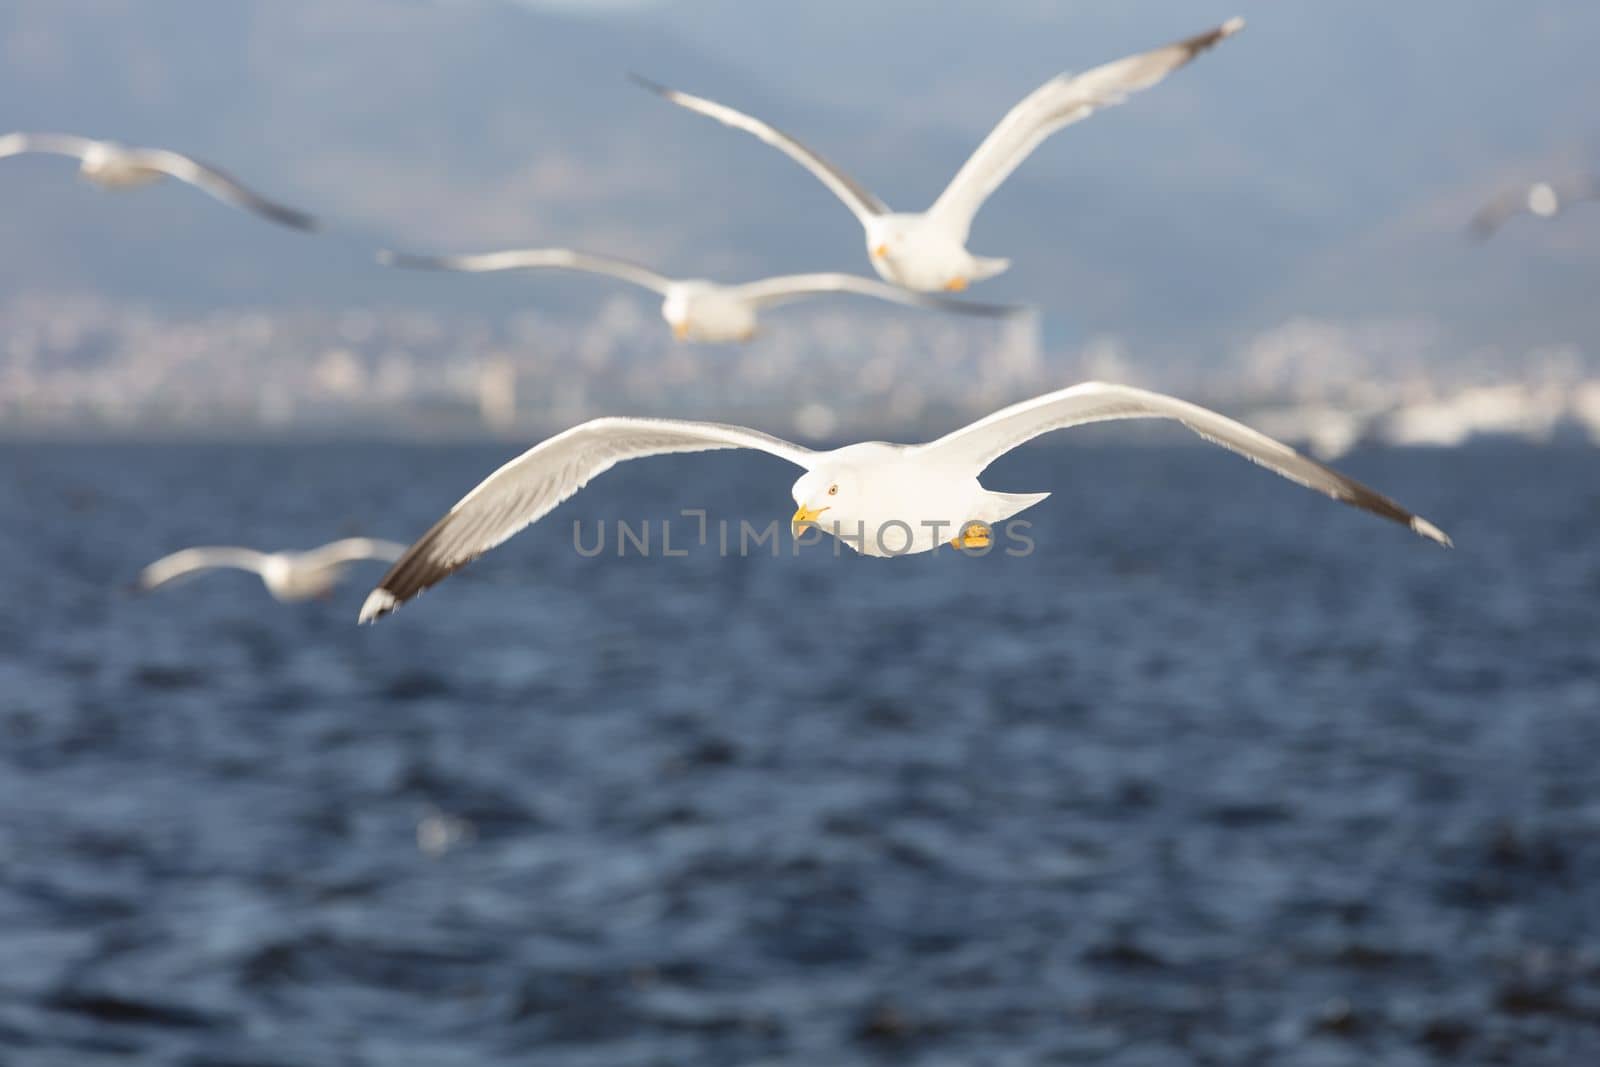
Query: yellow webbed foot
{"type": "Point", "coordinates": [972, 535]}
{"type": "Point", "coordinates": [955, 285]}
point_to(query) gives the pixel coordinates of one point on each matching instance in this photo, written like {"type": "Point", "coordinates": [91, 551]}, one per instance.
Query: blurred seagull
{"type": "Point", "coordinates": [696, 309]}
{"type": "Point", "coordinates": [1544, 199]}
{"type": "Point", "coordinates": [115, 166]}
{"type": "Point", "coordinates": [288, 576]}
{"type": "Point", "coordinates": [927, 250]}
{"type": "Point", "coordinates": [881, 499]}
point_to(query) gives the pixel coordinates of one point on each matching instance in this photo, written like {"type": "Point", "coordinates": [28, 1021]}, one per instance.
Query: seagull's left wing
{"type": "Point", "coordinates": [981, 443]}
{"type": "Point", "coordinates": [1497, 212]}
{"type": "Point", "coordinates": [192, 561]}
{"type": "Point", "coordinates": [57, 144]}
{"type": "Point", "coordinates": [770, 291]}
{"type": "Point", "coordinates": [220, 184]}
{"type": "Point", "coordinates": [532, 485]}
{"type": "Point", "coordinates": [1059, 102]}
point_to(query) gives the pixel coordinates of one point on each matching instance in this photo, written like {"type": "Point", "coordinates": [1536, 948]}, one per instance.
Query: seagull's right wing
{"type": "Point", "coordinates": [532, 485]}
{"type": "Point", "coordinates": [353, 550]}
{"type": "Point", "coordinates": [856, 196]}
{"type": "Point", "coordinates": [533, 258]}
{"type": "Point", "coordinates": [1585, 187]}
{"type": "Point", "coordinates": [770, 291]}
{"type": "Point", "coordinates": [222, 185]}
{"type": "Point", "coordinates": [1060, 102]}
{"type": "Point", "coordinates": [986, 440]}
{"type": "Point", "coordinates": [194, 560]}
{"type": "Point", "coordinates": [1497, 212]}
{"type": "Point", "coordinates": [57, 144]}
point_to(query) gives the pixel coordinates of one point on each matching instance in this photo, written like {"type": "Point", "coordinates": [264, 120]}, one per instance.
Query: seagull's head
{"type": "Point", "coordinates": [824, 489]}
{"type": "Point", "coordinates": [887, 236]}
{"type": "Point", "coordinates": [675, 309]}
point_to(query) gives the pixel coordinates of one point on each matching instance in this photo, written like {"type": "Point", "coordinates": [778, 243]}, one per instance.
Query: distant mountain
{"type": "Point", "coordinates": [1322, 163]}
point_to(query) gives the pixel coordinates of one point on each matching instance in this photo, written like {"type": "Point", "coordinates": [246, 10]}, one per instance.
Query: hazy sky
{"type": "Point", "coordinates": [1322, 163]}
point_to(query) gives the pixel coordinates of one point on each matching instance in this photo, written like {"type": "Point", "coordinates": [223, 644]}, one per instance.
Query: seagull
{"type": "Point", "coordinates": [880, 499]}
{"type": "Point", "coordinates": [927, 250]}
{"type": "Point", "coordinates": [696, 309]}
{"type": "Point", "coordinates": [114, 166]}
{"type": "Point", "coordinates": [1544, 199]}
{"type": "Point", "coordinates": [288, 576]}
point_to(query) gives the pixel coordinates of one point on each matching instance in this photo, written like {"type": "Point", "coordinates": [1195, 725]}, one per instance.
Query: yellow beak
{"type": "Point", "coordinates": [680, 330]}
{"type": "Point", "coordinates": [880, 251]}
{"type": "Point", "coordinates": [804, 517]}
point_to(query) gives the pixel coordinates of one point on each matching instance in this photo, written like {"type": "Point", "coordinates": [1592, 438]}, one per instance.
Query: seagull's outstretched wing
{"type": "Point", "coordinates": [191, 561]}
{"type": "Point", "coordinates": [532, 485]}
{"type": "Point", "coordinates": [532, 259]}
{"type": "Point", "coordinates": [981, 443]}
{"type": "Point", "coordinates": [1583, 187]}
{"type": "Point", "coordinates": [770, 291]}
{"type": "Point", "coordinates": [353, 550]}
{"type": "Point", "coordinates": [856, 196]}
{"type": "Point", "coordinates": [221, 185]}
{"type": "Point", "coordinates": [1059, 102]}
{"type": "Point", "coordinates": [56, 144]}
{"type": "Point", "coordinates": [1497, 212]}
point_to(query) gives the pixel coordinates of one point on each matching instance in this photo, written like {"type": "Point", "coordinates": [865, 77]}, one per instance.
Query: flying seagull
{"type": "Point", "coordinates": [288, 576]}
{"type": "Point", "coordinates": [927, 250]}
{"type": "Point", "coordinates": [114, 166]}
{"type": "Point", "coordinates": [881, 499]}
{"type": "Point", "coordinates": [1544, 199]}
{"type": "Point", "coordinates": [696, 309]}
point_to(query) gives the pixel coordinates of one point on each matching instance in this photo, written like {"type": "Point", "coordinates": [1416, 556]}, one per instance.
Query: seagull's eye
{"type": "Point", "coordinates": [833, 490]}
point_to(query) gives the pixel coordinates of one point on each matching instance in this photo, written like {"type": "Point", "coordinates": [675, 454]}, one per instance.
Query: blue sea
{"type": "Point", "coordinates": [1221, 772]}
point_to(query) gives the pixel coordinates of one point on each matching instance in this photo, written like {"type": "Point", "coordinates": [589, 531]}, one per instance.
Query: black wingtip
{"type": "Point", "coordinates": [295, 220]}
{"type": "Point", "coordinates": [997, 311]}
{"type": "Point", "coordinates": [645, 83]}
{"type": "Point", "coordinates": [408, 261]}
{"type": "Point", "coordinates": [1200, 42]}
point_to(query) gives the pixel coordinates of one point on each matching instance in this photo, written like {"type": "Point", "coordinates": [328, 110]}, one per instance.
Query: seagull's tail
{"type": "Point", "coordinates": [988, 267]}
{"type": "Point", "coordinates": [1004, 505]}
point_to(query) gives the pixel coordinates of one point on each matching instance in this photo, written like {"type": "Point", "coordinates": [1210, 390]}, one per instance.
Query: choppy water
{"type": "Point", "coordinates": [1223, 773]}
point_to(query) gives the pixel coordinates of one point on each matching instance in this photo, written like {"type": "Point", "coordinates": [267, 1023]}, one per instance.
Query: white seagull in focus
{"type": "Point", "coordinates": [1544, 200]}
{"type": "Point", "coordinates": [114, 166]}
{"type": "Point", "coordinates": [288, 576]}
{"type": "Point", "coordinates": [696, 309]}
{"type": "Point", "coordinates": [881, 499]}
{"type": "Point", "coordinates": [927, 250]}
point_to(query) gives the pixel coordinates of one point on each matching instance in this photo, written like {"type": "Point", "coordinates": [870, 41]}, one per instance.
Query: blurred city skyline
{"type": "Point", "coordinates": [1313, 177]}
